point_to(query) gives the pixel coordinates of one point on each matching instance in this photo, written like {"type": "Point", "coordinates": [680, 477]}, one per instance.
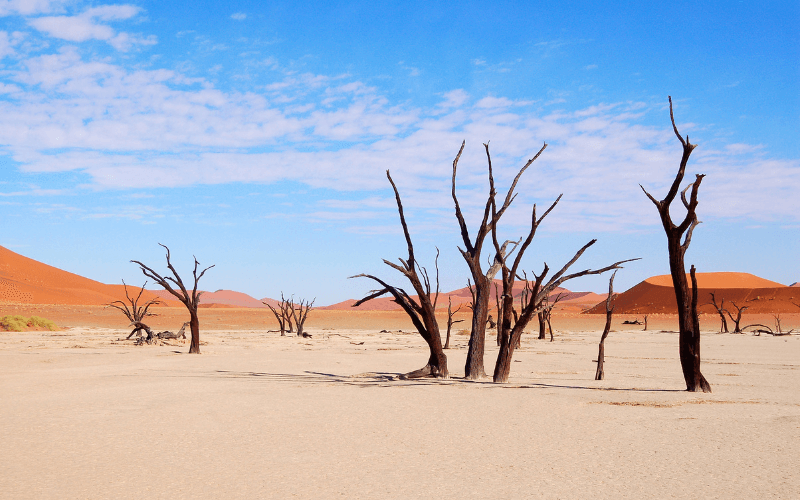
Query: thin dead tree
{"type": "Point", "coordinates": [720, 308]}
{"type": "Point", "coordinates": [279, 316]}
{"type": "Point", "coordinates": [422, 313]}
{"type": "Point", "coordinates": [601, 349]}
{"type": "Point", "coordinates": [299, 315]}
{"type": "Point", "coordinates": [538, 294]}
{"type": "Point", "coordinates": [689, 338]}
{"type": "Point", "coordinates": [189, 299]}
{"type": "Point", "coordinates": [450, 320]}
{"type": "Point", "coordinates": [645, 323]}
{"type": "Point", "coordinates": [548, 313]}
{"type": "Point", "coordinates": [136, 312]}
{"type": "Point", "coordinates": [474, 367]}
{"type": "Point", "coordinates": [737, 321]}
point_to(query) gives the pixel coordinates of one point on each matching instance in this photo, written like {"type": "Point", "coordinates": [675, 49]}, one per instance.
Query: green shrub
{"type": "Point", "coordinates": [14, 323]}
{"type": "Point", "coordinates": [42, 323]}
{"type": "Point", "coordinates": [19, 323]}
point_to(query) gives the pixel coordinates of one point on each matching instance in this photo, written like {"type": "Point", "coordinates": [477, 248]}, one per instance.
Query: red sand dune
{"type": "Point", "coordinates": [221, 298]}
{"type": "Point", "coordinates": [655, 295]}
{"type": "Point", "coordinates": [26, 281]}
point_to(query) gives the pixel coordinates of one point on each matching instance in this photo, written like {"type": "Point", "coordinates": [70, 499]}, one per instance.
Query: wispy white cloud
{"type": "Point", "coordinates": [138, 128]}
{"type": "Point", "coordinates": [30, 7]}
{"type": "Point", "coordinates": [88, 26]}
{"type": "Point", "coordinates": [239, 16]}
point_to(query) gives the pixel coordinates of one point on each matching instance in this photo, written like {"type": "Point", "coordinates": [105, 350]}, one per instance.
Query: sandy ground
{"type": "Point", "coordinates": [84, 415]}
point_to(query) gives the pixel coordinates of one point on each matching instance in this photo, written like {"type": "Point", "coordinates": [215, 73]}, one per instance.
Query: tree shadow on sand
{"type": "Point", "coordinates": [386, 379]}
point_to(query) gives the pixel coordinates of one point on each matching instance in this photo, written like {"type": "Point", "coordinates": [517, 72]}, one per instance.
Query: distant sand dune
{"type": "Point", "coordinates": [656, 295]}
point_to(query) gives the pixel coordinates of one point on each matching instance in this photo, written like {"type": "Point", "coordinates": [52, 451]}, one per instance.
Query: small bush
{"type": "Point", "coordinates": [42, 323]}
{"type": "Point", "coordinates": [19, 323]}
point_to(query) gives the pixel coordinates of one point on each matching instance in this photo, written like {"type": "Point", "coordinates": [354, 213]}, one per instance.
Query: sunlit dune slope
{"type": "Point", "coordinates": [656, 295]}
{"type": "Point", "coordinates": [26, 281]}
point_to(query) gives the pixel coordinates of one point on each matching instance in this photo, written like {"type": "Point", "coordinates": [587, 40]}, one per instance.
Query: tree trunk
{"type": "Point", "coordinates": [542, 326]}
{"type": "Point", "coordinates": [474, 368]}
{"type": "Point", "coordinates": [688, 322]}
{"type": "Point", "coordinates": [194, 324]}
{"type": "Point", "coordinates": [601, 350]}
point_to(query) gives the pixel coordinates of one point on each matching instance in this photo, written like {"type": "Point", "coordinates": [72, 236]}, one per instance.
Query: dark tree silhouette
{"type": "Point", "coordinates": [136, 312]}
{"type": "Point", "coordinates": [450, 320]}
{"type": "Point", "coordinates": [720, 308]}
{"type": "Point", "coordinates": [283, 314]}
{"type": "Point", "coordinates": [474, 368]}
{"type": "Point", "coordinates": [189, 299]}
{"type": "Point", "coordinates": [737, 321]}
{"type": "Point", "coordinates": [601, 348]}
{"type": "Point", "coordinates": [299, 315]}
{"type": "Point", "coordinates": [689, 338]}
{"type": "Point", "coordinates": [537, 294]}
{"type": "Point", "coordinates": [422, 313]}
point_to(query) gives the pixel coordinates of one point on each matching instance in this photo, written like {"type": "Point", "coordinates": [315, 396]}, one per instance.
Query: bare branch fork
{"type": "Point", "coordinates": [190, 300]}
{"type": "Point", "coordinates": [689, 339]}
{"type": "Point", "coordinates": [471, 251]}
{"type": "Point", "coordinates": [422, 313]}
{"type": "Point", "coordinates": [136, 312]}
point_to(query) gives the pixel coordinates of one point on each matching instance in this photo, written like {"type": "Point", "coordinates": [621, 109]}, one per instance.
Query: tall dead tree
{"type": "Point", "coordinates": [677, 244]}
{"type": "Point", "coordinates": [189, 299]}
{"type": "Point", "coordinates": [299, 315]}
{"type": "Point", "coordinates": [474, 368]}
{"type": "Point", "coordinates": [450, 320]}
{"type": "Point", "coordinates": [136, 312]}
{"type": "Point", "coordinates": [601, 348]}
{"type": "Point", "coordinates": [422, 313]}
{"type": "Point", "coordinates": [723, 327]}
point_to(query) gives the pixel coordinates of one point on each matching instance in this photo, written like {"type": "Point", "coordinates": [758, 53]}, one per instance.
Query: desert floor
{"type": "Point", "coordinates": [85, 415]}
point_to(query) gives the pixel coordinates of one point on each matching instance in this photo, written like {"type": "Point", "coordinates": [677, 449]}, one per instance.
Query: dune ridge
{"type": "Point", "coordinates": [655, 295]}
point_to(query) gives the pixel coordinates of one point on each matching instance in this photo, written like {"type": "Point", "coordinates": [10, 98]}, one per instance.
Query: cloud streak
{"type": "Point", "coordinates": [144, 128]}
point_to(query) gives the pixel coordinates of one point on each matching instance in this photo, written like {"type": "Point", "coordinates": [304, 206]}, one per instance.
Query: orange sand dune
{"type": "Point", "coordinates": [26, 281]}
{"type": "Point", "coordinates": [655, 295]}
{"type": "Point", "coordinates": [221, 298]}
{"type": "Point", "coordinates": [719, 280]}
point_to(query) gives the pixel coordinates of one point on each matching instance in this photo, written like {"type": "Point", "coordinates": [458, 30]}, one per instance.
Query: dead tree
{"type": "Point", "coordinates": [153, 338]}
{"type": "Point", "coordinates": [283, 314]}
{"type": "Point", "coordinates": [299, 315]}
{"type": "Point", "coordinates": [720, 308]}
{"type": "Point", "coordinates": [542, 325]}
{"type": "Point", "coordinates": [279, 316]}
{"type": "Point", "coordinates": [474, 368]}
{"type": "Point", "coordinates": [645, 323]}
{"type": "Point", "coordinates": [537, 293]}
{"type": "Point", "coordinates": [601, 349]}
{"type": "Point", "coordinates": [422, 313]}
{"type": "Point", "coordinates": [135, 313]}
{"type": "Point", "coordinates": [738, 319]}
{"type": "Point", "coordinates": [548, 312]}
{"type": "Point", "coordinates": [689, 338]}
{"type": "Point", "coordinates": [189, 299]}
{"type": "Point", "coordinates": [450, 320]}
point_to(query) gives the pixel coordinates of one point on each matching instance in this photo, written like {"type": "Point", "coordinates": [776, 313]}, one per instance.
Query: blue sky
{"type": "Point", "coordinates": [256, 137]}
